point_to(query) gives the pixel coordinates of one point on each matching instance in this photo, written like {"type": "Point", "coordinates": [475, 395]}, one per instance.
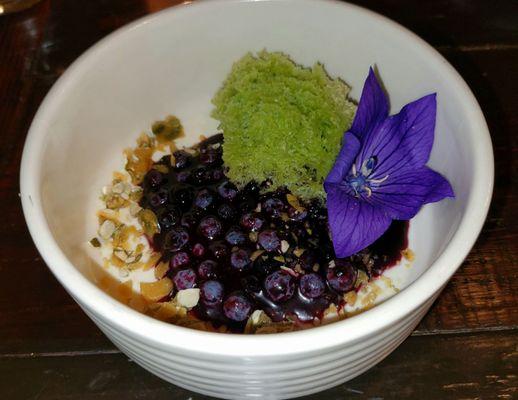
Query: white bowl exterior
{"type": "Point", "coordinates": [152, 68]}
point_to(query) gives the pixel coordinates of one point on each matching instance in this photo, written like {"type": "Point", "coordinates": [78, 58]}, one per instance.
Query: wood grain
{"type": "Point", "coordinates": [440, 367]}
{"type": "Point", "coordinates": [38, 317]}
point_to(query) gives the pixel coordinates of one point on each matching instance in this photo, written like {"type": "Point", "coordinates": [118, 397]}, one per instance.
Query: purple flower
{"type": "Point", "coordinates": [380, 173]}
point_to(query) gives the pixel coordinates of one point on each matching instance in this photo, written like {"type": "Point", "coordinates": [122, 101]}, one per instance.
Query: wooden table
{"type": "Point", "coordinates": [465, 348]}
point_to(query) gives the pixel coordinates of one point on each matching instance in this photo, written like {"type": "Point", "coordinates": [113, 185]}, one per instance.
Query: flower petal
{"type": "Point", "coordinates": [354, 224]}
{"type": "Point", "coordinates": [344, 160]}
{"type": "Point", "coordinates": [372, 108]}
{"type": "Point", "coordinates": [405, 192]}
{"type": "Point", "coordinates": [404, 139]}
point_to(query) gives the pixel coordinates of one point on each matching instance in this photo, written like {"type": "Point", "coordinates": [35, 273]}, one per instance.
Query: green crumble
{"type": "Point", "coordinates": [282, 122]}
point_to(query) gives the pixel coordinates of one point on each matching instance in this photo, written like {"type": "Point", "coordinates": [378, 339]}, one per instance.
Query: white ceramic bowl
{"type": "Point", "coordinates": [173, 62]}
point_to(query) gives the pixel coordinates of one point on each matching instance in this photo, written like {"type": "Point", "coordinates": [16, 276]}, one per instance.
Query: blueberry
{"type": "Point", "coordinates": [181, 159]}
{"type": "Point", "coordinates": [218, 249]}
{"type": "Point", "coordinates": [251, 222]}
{"type": "Point", "coordinates": [210, 227]}
{"type": "Point", "coordinates": [269, 240]}
{"type": "Point", "coordinates": [153, 178]}
{"type": "Point", "coordinates": [182, 197]}
{"type": "Point", "coordinates": [211, 293]}
{"type": "Point", "coordinates": [189, 220]}
{"type": "Point", "coordinates": [300, 232]}
{"type": "Point", "coordinates": [183, 176]}
{"type": "Point", "coordinates": [307, 260]}
{"type": "Point", "coordinates": [342, 277]}
{"type": "Point", "coordinates": [198, 250]}
{"type": "Point", "coordinates": [210, 157]}
{"type": "Point", "coordinates": [266, 266]}
{"type": "Point", "coordinates": [251, 285]}
{"type": "Point", "coordinates": [237, 307]}
{"type": "Point", "coordinates": [168, 218]}
{"type": "Point", "coordinates": [207, 270]}
{"type": "Point", "coordinates": [217, 174]}
{"type": "Point", "coordinates": [179, 259]}
{"type": "Point", "coordinates": [185, 279]}
{"type": "Point", "coordinates": [316, 212]}
{"type": "Point", "coordinates": [199, 176]}
{"type": "Point", "coordinates": [204, 198]}
{"type": "Point", "coordinates": [252, 188]}
{"type": "Point", "coordinates": [235, 236]}
{"type": "Point", "coordinates": [159, 198]}
{"type": "Point", "coordinates": [176, 239]}
{"type": "Point", "coordinates": [273, 206]}
{"type": "Point", "coordinates": [280, 286]}
{"type": "Point", "coordinates": [312, 286]}
{"type": "Point", "coordinates": [226, 212]}
{"type": "Point", "coordinates": [239, 259]}
{"type": "Point", "coordinates": [227, 190]}
{"type": "Point", "coordinates": [245, 202]}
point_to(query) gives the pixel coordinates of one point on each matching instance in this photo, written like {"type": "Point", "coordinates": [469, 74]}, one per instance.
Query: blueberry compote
{"type": "Point", "coordinates": [251, 248]}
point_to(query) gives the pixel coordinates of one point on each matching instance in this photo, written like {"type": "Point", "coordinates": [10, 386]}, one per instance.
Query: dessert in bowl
{"type": "Point", "coordinates": [98, 108]}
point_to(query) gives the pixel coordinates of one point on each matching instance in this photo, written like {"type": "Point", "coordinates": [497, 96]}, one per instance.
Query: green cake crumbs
{"type": "Point", "coordinates": [282, 122]}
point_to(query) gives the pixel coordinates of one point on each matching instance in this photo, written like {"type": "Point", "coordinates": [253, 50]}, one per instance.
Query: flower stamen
{"type": "Point", "coordinates": [378, 181]}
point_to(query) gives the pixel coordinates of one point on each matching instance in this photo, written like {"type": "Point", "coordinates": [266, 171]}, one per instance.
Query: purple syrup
{"type": "Point", "coordinates": [214, 232]}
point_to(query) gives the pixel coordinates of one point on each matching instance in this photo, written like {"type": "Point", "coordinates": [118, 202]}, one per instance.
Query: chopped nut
{"type": "Point", "coordinates": [119, 188]}
{"type": "Point", "coordinates": [121, 254]}
{"type": "Point", "coordinates": [330, 314]}
{"type": "Point", "coordinates": [256, 254]}
{"type": "Point", "coordinates": [107, 229]}
{"type": "Point", "coordinates": [332, 264]}
{"type": "Point", "coordinates": [408, 254]}
{"type": "Point", "coordinates": [279, 258]}
{"type": "Point", "coordinates": [139, 160]}
{"type": "Point", "coordinates": [257, 319]}
{"type": "Point", "coordinates": [168, 129]}
{"type": "Point", "coordinates": [361, 279]}
{"type": "Point", "coordinates": [154, 291]}
{"type": "Point", "coordinates": [151, 262]}
{"type": "Point", "coordinates": [161, 168]}
{"type": "Point", "coordinates": [258, 208]}
{"type": "Point", "coordinates": [134, 209]}
{"type": "Point", "coordinates": [95, 242]}
{"type": "Point", "coordinates": [108, 214]}
{"type": "Point", "coordinates": [298, 252]}
{"type": "Point", "coordinates": [253, 236]}
{"type": "Point", "coordinates": [136, 194]}
{"type": "Point", "coordinates": [316, 267]}
{"type": "Point", "coordinates": [115, 202]}
{"type": "Point", "coordinates": [124, 272]}
{"type": "Point", "coordinates": [188, 298]}
{"type": "Point", "coordinates": [147, 219]}
{"type": "Point", "coordinates": [350, 297]}
{"type": "Point", "coordinates": [161, 270]}
{"type": "Point", "coordinates": [288, 270]}
{"type": "Point", "coordinates": [294, 202]}
{"type": "Point", "coordinates": [284, 246]}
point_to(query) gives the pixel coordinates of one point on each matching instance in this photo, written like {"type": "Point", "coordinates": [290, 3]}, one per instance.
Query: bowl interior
{"type": "Point", "coordinates": [173, 63]}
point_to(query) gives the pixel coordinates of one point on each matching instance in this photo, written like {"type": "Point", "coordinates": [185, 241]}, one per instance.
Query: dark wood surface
{"type": "Point", "coordinates": [465, 348]}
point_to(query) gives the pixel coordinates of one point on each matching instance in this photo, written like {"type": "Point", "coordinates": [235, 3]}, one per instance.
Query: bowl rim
{"type": "Point", "coordinates": [146, 328]}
